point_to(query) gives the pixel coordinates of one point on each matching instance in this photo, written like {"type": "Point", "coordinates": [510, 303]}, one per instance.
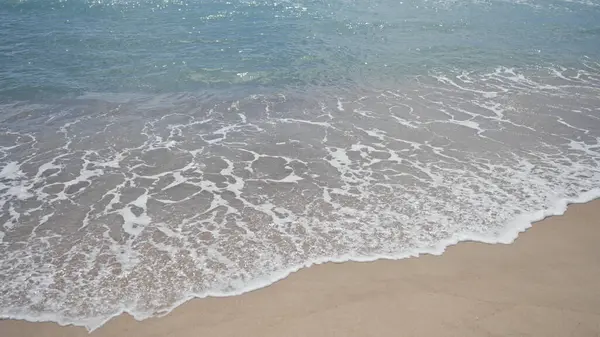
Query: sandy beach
{"type": "Point", "coordinates": [210, 168]}
{"type": "Point", "coordinates": [545, 284]}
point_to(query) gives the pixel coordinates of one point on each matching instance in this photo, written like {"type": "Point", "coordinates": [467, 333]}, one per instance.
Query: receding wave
{"type": "Point", "coordinates": [140, 202]}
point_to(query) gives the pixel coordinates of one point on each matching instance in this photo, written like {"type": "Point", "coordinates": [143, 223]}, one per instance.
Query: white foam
{"type": "Point", "coordinates": [11, 170]}
{"type": "Point", "coordinates": [485, 94]}
{"type": "Point", "coordinates": [188, 208]}
{"type": "Point", "coordinates": [508, 236]}
{"type": "Point", "coordinates": [20, 192]}
{"type": "Point", "coordinates": [340, 105]}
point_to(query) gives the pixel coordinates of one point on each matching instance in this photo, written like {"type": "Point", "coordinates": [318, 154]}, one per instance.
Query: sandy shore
{"type": "Point", "coordinates": [545, 284]}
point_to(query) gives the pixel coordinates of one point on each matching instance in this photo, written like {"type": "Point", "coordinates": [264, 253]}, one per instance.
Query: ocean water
{"type": "Point", "coordinates": [156, 151]}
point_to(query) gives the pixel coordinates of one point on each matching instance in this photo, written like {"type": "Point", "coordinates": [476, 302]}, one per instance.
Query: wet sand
{"type": "Point", "coordinates": [545, 284]}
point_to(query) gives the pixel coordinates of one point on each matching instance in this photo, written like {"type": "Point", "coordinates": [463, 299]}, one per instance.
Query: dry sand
{"type": "Point", "coordinates": [545, 284]}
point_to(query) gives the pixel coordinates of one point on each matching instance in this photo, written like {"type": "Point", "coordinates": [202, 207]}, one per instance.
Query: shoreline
{"type": "Point", "coordinates": [350, 279]}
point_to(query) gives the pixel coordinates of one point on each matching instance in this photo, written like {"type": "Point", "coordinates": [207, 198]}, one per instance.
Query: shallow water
{"type": "Point", "coordinates": [153, 151]}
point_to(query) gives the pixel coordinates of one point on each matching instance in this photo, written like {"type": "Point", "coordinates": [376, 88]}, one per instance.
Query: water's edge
{"type": "Point", "coordinates": [511, 231]}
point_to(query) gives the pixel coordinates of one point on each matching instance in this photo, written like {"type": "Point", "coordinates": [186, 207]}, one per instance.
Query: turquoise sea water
{"type": "Point", "coordinates": [156, 151]}
{"type": "Point", "coordinates": [77, 46]}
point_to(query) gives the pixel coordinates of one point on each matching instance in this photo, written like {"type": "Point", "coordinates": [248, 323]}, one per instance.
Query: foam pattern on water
{"type": "Point", "coordinates": [114, 203]}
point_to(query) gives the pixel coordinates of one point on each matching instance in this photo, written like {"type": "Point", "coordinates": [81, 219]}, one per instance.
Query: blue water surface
{"type": "Point", "coordinates": [71, 47]}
